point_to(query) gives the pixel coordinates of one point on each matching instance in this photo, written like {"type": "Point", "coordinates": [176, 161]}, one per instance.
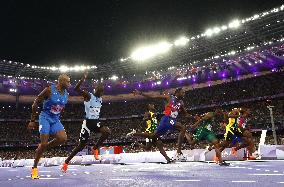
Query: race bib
{"type": "Point", "coordinates": [172, 122]}
{"type": "Point", "coordinates": [56, 109]}
{"type": "Point", "coordinates": [174, 114]}
{"type": "Point", "coordinates": [209, 127]}
{"type": "Point", "coordinates": [95, 111]}
{"type": "Point", "coordinates": [155, 120]}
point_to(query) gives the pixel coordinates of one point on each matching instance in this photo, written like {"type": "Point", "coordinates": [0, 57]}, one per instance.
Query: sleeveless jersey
{"type": "Point", "coordinates": [242, 123]}
{"type": "Point", "coordinates": [173, 107]}
{"type": "Point", "coordinates": [55, 103]}
{"type": "Point", "coordinates": [207, 124]}
{"type": "Point", "coordinates": [152, 123]}
{"type": "Point", "coordinates": [232, 127]}
{"type": "Point", "coordinates": [93, 107]}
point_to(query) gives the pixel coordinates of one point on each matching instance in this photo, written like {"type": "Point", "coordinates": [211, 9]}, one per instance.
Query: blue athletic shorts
{"type": "Point", "coordinates": [49, 125]}
{"type": "Point", "coordinates": [166, 124]}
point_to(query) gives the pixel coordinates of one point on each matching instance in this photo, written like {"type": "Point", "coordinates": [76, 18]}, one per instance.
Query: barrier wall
{"type": "Point", "coordinates": [266, 152]}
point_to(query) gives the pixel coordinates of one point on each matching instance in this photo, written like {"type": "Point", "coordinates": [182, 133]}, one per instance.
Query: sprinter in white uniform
{"type": "Point", "coordinates": [93, 104]}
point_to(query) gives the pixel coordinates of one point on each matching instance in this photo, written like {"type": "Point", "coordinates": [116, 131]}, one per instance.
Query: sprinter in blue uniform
{"type": "Point", "coordinates": [93, 104]}
{"type": "Point", "coordinates": [54, 99]}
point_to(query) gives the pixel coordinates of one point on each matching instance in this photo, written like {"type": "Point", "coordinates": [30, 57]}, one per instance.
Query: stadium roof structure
{"type": "Point", "coordinates": [219, 42]}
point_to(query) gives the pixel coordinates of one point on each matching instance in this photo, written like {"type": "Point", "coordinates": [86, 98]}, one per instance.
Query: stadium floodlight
{"type": "Point", "coordinates": [235, 23]}
{"type": "Point", "coordinates": [181, 41]}
{"type": "Point", "coordinates": [145, 53]}
{"type": "Point", "coordinates": [256, 16]}
{"type": "Point", "coordinates": [75, 68]}
{"type": "Point", "coordinates": [232, 53]}
{"type": "Point", "coordinates": [63, 68]}
{"type": "Point", "coordinates": [216, 30]}
{"type": "Point", "coordinates": [224, 27]}
{"type": "Point", "coordinates": [114, 77]}
{"type": "Point", "coordinates": [209, 32]}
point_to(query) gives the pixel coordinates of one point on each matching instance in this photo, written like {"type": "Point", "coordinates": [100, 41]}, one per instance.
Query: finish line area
{"type": "Point", "coordinates": [239, 173]}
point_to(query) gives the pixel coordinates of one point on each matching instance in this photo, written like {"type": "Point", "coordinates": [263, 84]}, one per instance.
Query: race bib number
{"type": "Point", "coordinates": [95, 111]}
{"type": "Point", "coordinates": [174, 114]}
{"type": "Point", "coordinates": [209, 127]}
{"type": "Point", "coordinates": [155, 120]}
{"type": "Point", "coordinates": [172, 122]}
{"type": "Point", "coordinates": [56, 109]}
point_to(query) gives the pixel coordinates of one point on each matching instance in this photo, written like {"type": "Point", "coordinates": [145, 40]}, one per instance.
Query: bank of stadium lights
{"type": "Point", "coordinates": [114, 77]}
{"type": "Point", "coordinates": [124, 59]}
{"type": "Point", "coordinates": [144, 53]}
{"type": "Point", "coordinates": [216, 30]}
{"type": "Point", "coordinates": [182, 41]}
{"type": "Point", "coordinates": [64, 68]}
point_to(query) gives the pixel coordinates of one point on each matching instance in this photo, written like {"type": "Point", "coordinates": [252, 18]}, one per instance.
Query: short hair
{"type": "Point", "coordinates": [62, 76]}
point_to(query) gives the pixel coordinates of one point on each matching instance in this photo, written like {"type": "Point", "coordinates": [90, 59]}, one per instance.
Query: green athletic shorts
{"type": "Point", "coordinates": [204, 134]}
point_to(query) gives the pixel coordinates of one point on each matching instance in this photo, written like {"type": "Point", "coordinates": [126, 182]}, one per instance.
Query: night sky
{"type": "Point", "coordinates": [95, 32]}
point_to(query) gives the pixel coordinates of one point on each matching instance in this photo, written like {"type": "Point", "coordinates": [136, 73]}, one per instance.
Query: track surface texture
{"type": "Point", "coordinates": [243, 173]}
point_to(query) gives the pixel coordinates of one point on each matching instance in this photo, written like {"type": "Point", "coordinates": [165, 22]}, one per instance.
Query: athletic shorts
{"type": "Point", "coordinates": [151, 129]}
{"type": "Point", "coordinates": [204, 134]}
{"type": "Point", "coordinates": [234, 137]}
{"type": "Point", "coordinates": [49, 125]}
{"type": "Point", "coordinates": [88, 126]}
{"type": "Point", "coordinates": [166, 124]}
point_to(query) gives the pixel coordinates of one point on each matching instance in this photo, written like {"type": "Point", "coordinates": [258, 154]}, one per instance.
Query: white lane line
{"type": "Point", "coordinates": [275, 171]}
{"type": "Point", "coordinates": [9, 179]}
{"type": "Point", "coordinates": [236, 167]}
{"type": "Point", "coordinates": [72, 169]}
{"type": "Point", "coordinates": [280, 182]}
{"type": "Point", "coordinates": [249, 168]}
{"type": "Point", "coordinates": [267, 174]}
{"type": "Point", "coordinates": [262, 165]}
{"type": "Point", "coordinates": [267, 170]}
{"type": "Point", "coordinates": [187, 180]}
{"type": "Point", "coordinates": [125, 170]}
{"type": "Point", "coordinates": [121, 179]}
{"type": "Point", "coordinates": [48, 178]}
{"type": "Point", "coordinates": [244, 181]}
{"type": "Point", "coordinates": [257, 169]}
{"type": "Point", "coordinates": [174, 170]}
{"type": "Point", "coordinates": [86, 172]}
{"type": "Point", "coordinates": [44, 171]}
